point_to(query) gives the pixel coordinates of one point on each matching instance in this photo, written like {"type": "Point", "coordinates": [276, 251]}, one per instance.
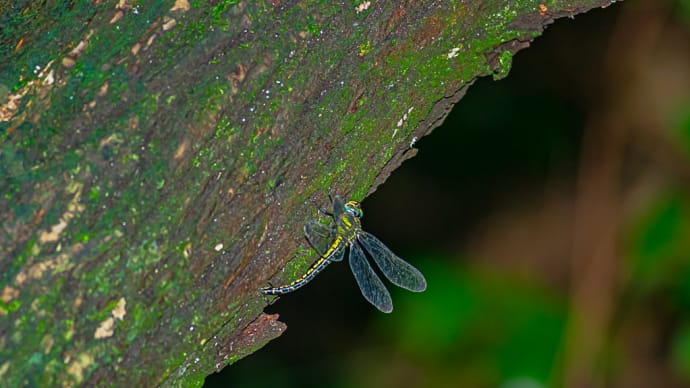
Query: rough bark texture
{"type": "Point", "coordinates": [159, 158]}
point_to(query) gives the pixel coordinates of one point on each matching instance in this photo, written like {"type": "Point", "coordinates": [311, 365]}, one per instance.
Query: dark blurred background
{"type": "Point", "coordinates": [550, 215]}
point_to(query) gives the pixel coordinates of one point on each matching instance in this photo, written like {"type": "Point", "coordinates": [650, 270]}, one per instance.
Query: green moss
{"type": "Point", "coordinates": [138, 233]}
{"type": "Point", "coordinates": [504, 63]}
{"type": "Point", "coordinates": [298, 265]}
{"type": "Point", "coordinates": [12, 306]}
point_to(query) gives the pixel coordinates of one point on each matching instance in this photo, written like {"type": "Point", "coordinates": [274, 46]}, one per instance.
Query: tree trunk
{"type": "Point", "coordinates": [159, 159]}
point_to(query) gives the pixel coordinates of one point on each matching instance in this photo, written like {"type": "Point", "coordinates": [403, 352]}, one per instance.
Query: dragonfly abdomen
{"type": "Point", "coordinates": [306, 278]}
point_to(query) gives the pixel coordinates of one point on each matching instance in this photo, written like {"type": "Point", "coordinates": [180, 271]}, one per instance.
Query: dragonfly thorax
{"type": "Point", "coordinates": [348, 226]}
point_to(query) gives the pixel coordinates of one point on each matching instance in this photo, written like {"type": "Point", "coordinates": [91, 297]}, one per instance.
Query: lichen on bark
{"type": "Point", "coordinates": [159, 158]}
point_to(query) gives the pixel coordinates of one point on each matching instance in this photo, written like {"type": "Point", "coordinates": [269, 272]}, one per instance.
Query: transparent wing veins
{"type": "Point", "coordinates": [319, 236]}
{"type": "Point", "coordinates": [369, 283]}
{"type": "Point", "coordinates": [397, 270]}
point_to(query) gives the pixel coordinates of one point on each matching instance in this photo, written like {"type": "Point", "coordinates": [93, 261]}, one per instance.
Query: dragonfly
{"type": "Point", "coordinates": [345, 234]}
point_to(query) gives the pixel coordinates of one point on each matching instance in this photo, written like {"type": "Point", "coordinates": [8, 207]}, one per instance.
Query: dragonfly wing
{"type": "Point", "coordinates": [369, 283]}
{"type": "Point", "coordinates": [397, 270]}
{"type": "Point", "coordinates": [320, 236]}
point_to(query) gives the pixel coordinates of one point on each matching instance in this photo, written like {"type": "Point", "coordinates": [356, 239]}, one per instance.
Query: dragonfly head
{"type": "Point", "coordinates": [354, 208]}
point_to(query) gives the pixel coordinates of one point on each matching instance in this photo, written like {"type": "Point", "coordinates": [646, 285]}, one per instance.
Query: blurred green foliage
{"type": "Point", "coordinates": [659, 245]}
{"type": "Point", "coordinates": [683, 10]}
{"type": "Point", "coordinates": [659, 257]}
{"type": "Point", "coordinates": [682, 125]}
{"type": "Point", "coordinates": [472, 328]}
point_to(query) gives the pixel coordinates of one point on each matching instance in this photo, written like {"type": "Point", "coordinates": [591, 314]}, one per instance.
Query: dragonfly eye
{"type": "Point", "coordinates": [353, 208]}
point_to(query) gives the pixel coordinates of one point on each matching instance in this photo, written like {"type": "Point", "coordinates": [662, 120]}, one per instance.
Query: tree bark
{"type": "Point", "coordinates": [159, 158]}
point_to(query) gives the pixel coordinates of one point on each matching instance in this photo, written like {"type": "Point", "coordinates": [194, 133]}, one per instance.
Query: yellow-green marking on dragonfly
{"type": "Point", "coordinates": [345, 233]}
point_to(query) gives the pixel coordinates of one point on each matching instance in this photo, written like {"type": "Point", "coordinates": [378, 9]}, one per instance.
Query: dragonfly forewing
{"type": "Point", "coordinates": [369, 283]}
{"type": "Point", "coordinates": [397, 270]}
{"type": "Point", "coordinates": [322, 238]}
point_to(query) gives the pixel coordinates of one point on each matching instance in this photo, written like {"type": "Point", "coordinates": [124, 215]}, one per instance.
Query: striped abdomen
{"type": "Point", "coordinates": [306, 278]}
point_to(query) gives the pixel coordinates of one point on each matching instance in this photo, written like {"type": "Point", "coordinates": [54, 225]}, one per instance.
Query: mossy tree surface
{"type": "Point", "coordinates": [159, 158]}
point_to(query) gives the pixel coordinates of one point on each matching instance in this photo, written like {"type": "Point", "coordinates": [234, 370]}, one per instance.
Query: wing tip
{"type": "Point", "coordinates": [421, 287]}
{"type": "Point", "coordinates": [386, 309]}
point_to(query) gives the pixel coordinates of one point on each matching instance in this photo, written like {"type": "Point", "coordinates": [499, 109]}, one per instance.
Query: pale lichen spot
{"type": "Point", "coordinates": [181, 149]}
{"type": "Point", "coordinates": [81, 46]}
{"type": "Point", "coordinates": [135, 49]}
{"type": "Point", "coordinates": [113, 139]}
{"type": "Point", "coordinates": [8, 108]}
{"type": "Point", "coordinates": [133, 123]}
{"type": "Point", "coordinates": [3, 369]}
{"type": "Point", "coordinates": [49, 78]}
{"type": "Point", "coordinates": [402, 120]}
{"type": "Point", "coordinates": [76, 369]}
{"type": "Point", "coordinates": [68, 62]}
{"type": "Point", "coordinates": [47, 343]}
{"type": "Point", "coordinates": [187, 252]}
{"type": "Point", "coordinates": [118, 15]}
{"type": "Point", "coordinates": [150, 40]}
{"type": "Point", "coordinates": [103, 90]}
{"type": "Point", "coordinates": [73, 207]}
{"type": "Point", "coordinates": [36, 271]}
{"type": "Point", "coordinates": [181, 5]}
{"type": "Point", "coordinates": [105, 330]}
{"type": "Point", "coordinates": [168, 23]}
{"type": "Point", "coordinates": [363, 7]}
{"type": "Point", "coordinates": [20, 278]}
{"type": "Point", "coordinates": [9, 104]}
{"type": "Point", "coordinates": [70, 59]}
{"type": "Point", "coordinates": [9, 294]}
{"type": "Point", "coordinates": [119, 312]}
{"type": "Point", "coordinates": [54, 232]}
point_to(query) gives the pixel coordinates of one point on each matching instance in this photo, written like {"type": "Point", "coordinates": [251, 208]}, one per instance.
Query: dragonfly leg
{"type": "Point", "coordinates": [322, 210]}
{"type": "Point", "coordinates": [268, 300]}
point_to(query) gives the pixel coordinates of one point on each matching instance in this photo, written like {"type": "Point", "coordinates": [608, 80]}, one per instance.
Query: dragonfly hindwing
{"type": "Point", "coordinates": [397, 270]}
{"type": "Point", "coordinates": [369, 283]}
